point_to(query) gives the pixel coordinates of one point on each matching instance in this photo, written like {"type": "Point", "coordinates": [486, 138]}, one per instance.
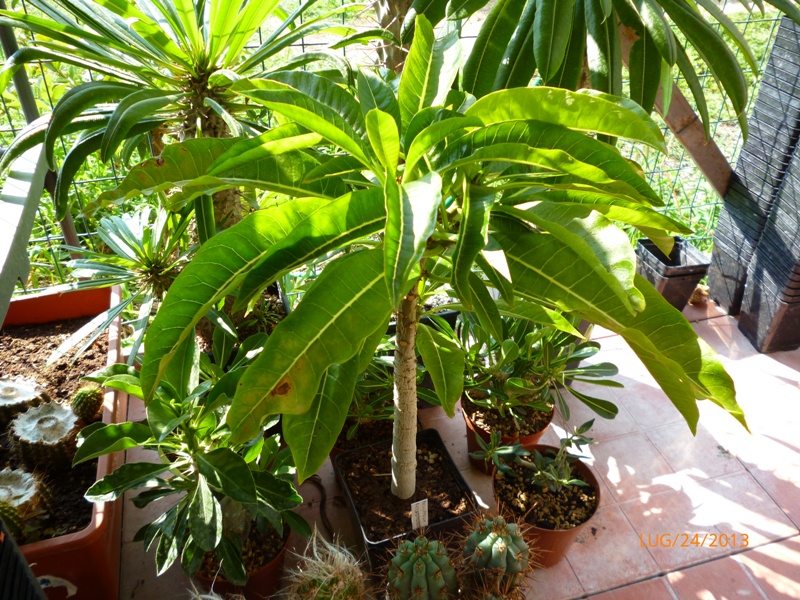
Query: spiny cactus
{"type": "Point", "coordinates": [422, 570]}
{"type": "Point", "coordinates": [87, 402]}
{"type": "Point", "coordinates": [18, 488]}
{"type": "Point", "coordinates": [11, 518]}
{"type": "Point", "coordinates": [326, 572]}
{"type": "Point", "coordinates": [44, 436]}
{"type": "Point", "coordinates": [16, 395]}
{"type": "Point", "coordinates": [498, 545]}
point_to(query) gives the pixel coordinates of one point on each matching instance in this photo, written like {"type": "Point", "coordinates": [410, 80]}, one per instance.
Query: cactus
{"type": "Point", "coordinates": [16, 395]}
{"type": "Point", "coordinates": [422, 570]}
{"type": "Point", "coordinates": [498, 545]}
{"type": "Point", "coordinates": [11, 518]}
{"type": "Point", "coordinates": [19, 489]}
{"type": "Point", "coordinates": [87, 403]}
{"type": "Point", "coordinates": [44, 436]}
{"type": "Point", "coordinates": [326, 572]}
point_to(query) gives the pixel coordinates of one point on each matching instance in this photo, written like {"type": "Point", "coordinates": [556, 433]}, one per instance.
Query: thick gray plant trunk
{"type": "Point", "coordinates": [404, 436]}
{"type": "Point", "coordinates": [391, 14]}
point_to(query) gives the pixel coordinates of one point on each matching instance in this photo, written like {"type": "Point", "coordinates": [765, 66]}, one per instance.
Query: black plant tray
{"type": "Point", "coordinates": [769, 323]}
{"type": "Point", "coordinates": [378, 551]}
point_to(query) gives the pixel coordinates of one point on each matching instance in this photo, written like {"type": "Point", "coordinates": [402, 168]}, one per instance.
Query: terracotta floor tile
{"type": "Point", "coordinates": [652, 589]}
{"type": "Point", "coordinates": [722, 578]}
{"type": "Point", "coordinates": [701, 312]}
{"type": "Point", "coordinates": [609, 534]}
{"type": "Point", "coordinates": [702, 455]}
{"type": "Point", "coordinates": [138, 579]}
{"type": "Point", "coordinates": [646, 403]}
{"type": "Point", "coordinates": [556, 583]}
{"type": "Point", "coordinates": [724, 337]}
{"type": "Point", "coordinates": [603, 429]}
{"type": "Point", "coordinates": [629, 465]}
{"type": "Point", "coordinates": [775, 568]}
{"type": "Point", "coordinates": [481, 485]}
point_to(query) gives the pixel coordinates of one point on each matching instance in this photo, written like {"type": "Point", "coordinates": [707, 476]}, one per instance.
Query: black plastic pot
{"type": "Point", "coordinates": [378, 551]}
{"type": "Point", "coordinates": [17, 582]}
{"type": "Point", "coordinates": [675, 276]}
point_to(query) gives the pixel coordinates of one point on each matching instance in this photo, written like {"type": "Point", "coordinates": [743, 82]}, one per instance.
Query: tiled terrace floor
{"type": "Point", "coordinates": [659, 480]}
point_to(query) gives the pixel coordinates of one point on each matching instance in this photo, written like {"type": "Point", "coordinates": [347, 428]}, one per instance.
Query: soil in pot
{"type": "Point", "coordinates": [383, 516]}
{"type": "Point", "coordinates": [24, 351]}
{"type": "Point", "coordinates": [531, 421]}
{"type": "Point", "coordinates": [368, 432]}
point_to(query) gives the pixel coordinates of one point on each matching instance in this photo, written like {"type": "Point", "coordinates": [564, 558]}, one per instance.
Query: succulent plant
{"type": "Point", "coordinates": [16, 395]}
{"type": "Point", "coordinates": [19, 489]}
{"type": "Point", "coordinates": [499, 546]}
{"type": "Point", "coordinates": [327, 571]}
{"type": "Point", "coordinates": [11, 518]}
{"type": "Point", "coordinates": [422, 570]}
{"type": "Point", "coordinates": [87, 402]}
{"type": "Point", "coordinates": [44, 436]}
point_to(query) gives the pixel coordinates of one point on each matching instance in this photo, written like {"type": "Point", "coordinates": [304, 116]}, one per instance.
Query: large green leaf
{"type": "Point", "coordinates": [228, 472]}
{"type": "Point", "coordinates": [278, 493]}
{"type": "Point", "coordinates": [411, 211]}
{"type": "Point", "coordinates": [518, 64]}
{"type": "Point", "coordinates": [603, 55]}
{"type": "Point", "coordinates": [424, 141]}
{"type": "Point", "coordinates": [112, 438]}
{"type": "Point", "coordinates": [385, 139]}
{"type": "Point", "coordinates": [183, 371]}
{"type": "Point", "coordinates": [125, 477]}
{"type": "Point", "coordinates": [551, 34]}
{"type": "Point", "coordinates": [346, 303]}
{"type": "Point", "coordinates": [374, 92]}
{"type": "Point", "coordinates": [222, 263]}
{"type": "Point", "coordinates": [487, 57]}
{"type": "Point", "coordinates": [542, 267]}
{"type": "Point", "coordinates": [205, 516]}
{"type": "Point", "coordinates": [575, 110]}
{"type": "Point", "coordinates": [568, 75]}
{"type": "Point", "coordinates": [472, 238]}
{"type": "Point", "coordinates": [444, 362]}
{"type": "Point", "coordinates": [348, 131]}
{"type": "Point", "coordinates": [311, 435]}
{"type": "Point", "coordinates": [644, 66]}
{"type": "Point", "coordinates": [485, 307]}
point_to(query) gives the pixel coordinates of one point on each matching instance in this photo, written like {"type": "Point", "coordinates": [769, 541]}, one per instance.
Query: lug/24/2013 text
{"type": "Point", "coordinates": [696, 540]}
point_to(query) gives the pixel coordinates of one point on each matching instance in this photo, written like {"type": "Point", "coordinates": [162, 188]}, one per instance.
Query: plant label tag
{"type": "Point", "coordinates": [419, 514]}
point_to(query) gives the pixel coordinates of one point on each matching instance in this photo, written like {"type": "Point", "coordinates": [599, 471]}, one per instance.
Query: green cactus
{"type": "Point", "coordinates": [87, 403]}
{"type": "Point", "coordinates": [498, 545]}
{"type": "Point", "coordinates": [44, 436]}
{"type": "Point", "coordinates": [11, 518]}
{"type": "Point", "coordinates": [16, 395]}
{"type": "Point", "coordinates": [422, 570]}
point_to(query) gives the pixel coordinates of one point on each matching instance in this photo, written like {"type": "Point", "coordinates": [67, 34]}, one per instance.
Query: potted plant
{"type": "Point", "coordinates": [228, 500]}
{"type": "Point", "coordinates": [440, 192]}
{"type": "Point", "coordinates": [87, 560]}
{"type": "Point", "coordinates": [675, 274]}
{"type": "Point", "coordinates": [549, 488]}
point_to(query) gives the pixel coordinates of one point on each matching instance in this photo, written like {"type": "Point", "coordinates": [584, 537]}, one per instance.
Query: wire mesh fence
{"type": "Point", "coordinates": [674, 176]}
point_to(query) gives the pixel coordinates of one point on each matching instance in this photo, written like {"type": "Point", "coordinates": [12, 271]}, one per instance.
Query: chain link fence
{"type": "Point", "coordinates": [674, 176]}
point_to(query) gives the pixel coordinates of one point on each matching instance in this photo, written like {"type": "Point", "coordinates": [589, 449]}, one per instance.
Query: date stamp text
{"type": "Point", "coordinates": [694, 540]}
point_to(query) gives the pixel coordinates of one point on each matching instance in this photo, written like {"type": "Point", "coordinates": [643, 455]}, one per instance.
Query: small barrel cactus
{"type": "Point", "coordinates": [11, 518]}
{"type": "Point", "coordinates": [87, 403]}
{"type": "Point", "coordinates": [498, 545]}
{"type": "Point", "coordinates": [16, 395]}
{"type": "Point", "coordinates": [422, 570]}
{"type": "Point", "coordinates": [44, 436]}
{"type": "Point", "coordinates": [19, 489]}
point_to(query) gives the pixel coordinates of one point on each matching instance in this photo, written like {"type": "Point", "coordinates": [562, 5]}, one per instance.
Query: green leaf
{"type": "Point", "coordinates": [279, 494]}
{"type": "Point", "coordinates": [569, 73]}
{"type": "Point", "coordinates": [425, 140]}
{"type": "Point", "coordinates": [644, 66]}
{"type": "Point", "coordinates": [224, 338]}
{"type": "Point", "coordinates": [205, 516]}
{"type": "Point", "coordinates": [366, 36]}
{"type": "Point", "coordinates": [411, 210]}
{"type": "Point", "coordinates": [125, 477]}
{"type": "Point", "coordinates": [163, 417]}
{"type": "Point", "coordinates": [530, 311]}
{"type": "Point", "coordinates": [497, 279]}
{"type": "Point", "coordinates": [329, 111]}
{"type": "Point", "coordinates": [230, 555]}
{"type": "Point", "coordinates": [229, 473]}
{"type": "Point", "coordinates": [488, 55]}
{"type": "Point", "coordinates": [429, 71]}
{"type": "Point", "coordinates": [183, 371]}
{"type": "Point", "coordinates": [518, 64]}
{"type": "Point", "coordinates": [603, 56]}
{"type": "Point", "coordinates": [462, 9]}
{"type": "Point", "coordinates": [346, 303]}
{"type": "Point", "coordinates": [125, 383]}
{"type": "Point", "coordinates": [652, 17]}
{"type": "Point", "coordinates": [484, 306]}
{"type": "Point", "coordinates": [552, 26]}
{"type": "Point", "coordinates": [74, 102]}
{"type": "Point", "coordinates": [472, 238]}
{"type": "Point", "coordinates": [374, 92]}
{"type": "Point", "coordinates": [576, 110]}
{"type": "Point", "coordinates": [385, 139]}
{"type": "Point", "coordinates": [696, 86]}
{"type": "Point", "coordinates": [444, 361]}
{"type": "Point", "coordinates": [311, 435]}
{"type": "Point", "coordinates": [434, 11]}
{"type": "Point", "coordinates": [111, 438]}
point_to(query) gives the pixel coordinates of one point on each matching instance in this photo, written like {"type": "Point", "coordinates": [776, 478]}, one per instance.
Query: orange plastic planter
{"type": "Point", "coordinates": [85, 564]}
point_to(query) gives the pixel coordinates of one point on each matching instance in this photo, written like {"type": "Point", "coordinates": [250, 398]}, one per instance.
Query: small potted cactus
{"type": "Point", "coordinates": [16, 395]}
{"type": "Point", "coordinates": [87, 403]}
{"type": "Point", "coordinates": [421, 569]}
{"type": "Point", "coordinates": [44, 436]}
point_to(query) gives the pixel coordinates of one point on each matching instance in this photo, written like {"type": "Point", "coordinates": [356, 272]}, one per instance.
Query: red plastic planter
{"type": "Point", "coordinates": [85, 564]}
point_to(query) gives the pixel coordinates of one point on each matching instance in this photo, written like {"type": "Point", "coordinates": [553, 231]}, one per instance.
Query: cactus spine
{"type": "Point", "coordinates": [497, 544]}
{"type": "Point", "coordinates": [44, 436]}
{"type": "Point", "coordinates": [11, 518]}
{"type": "Point", "coordinates": [87, 403]}
{"type": "Point", "coordinates": [16, 395]}
{"type": "Point", "coordinates": [422, 570]}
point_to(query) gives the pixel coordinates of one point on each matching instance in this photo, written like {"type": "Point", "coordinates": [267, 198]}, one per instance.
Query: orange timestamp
{"type": "Point", "coordinates": [694, 540]}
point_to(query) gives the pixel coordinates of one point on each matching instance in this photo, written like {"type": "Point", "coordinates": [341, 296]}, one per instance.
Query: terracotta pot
{"type": "Point", "coordinates": [551, 545]}
{"type": "Point", "coordinates": [86, 563]}
{"type": "Point", "coordinates": [264, 583]}
{"type": "Point", "coordinates": [528, 441]}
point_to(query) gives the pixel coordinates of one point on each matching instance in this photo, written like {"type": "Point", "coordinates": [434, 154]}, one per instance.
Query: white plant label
{"type": "Point", "coordinates": [419, 514]}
